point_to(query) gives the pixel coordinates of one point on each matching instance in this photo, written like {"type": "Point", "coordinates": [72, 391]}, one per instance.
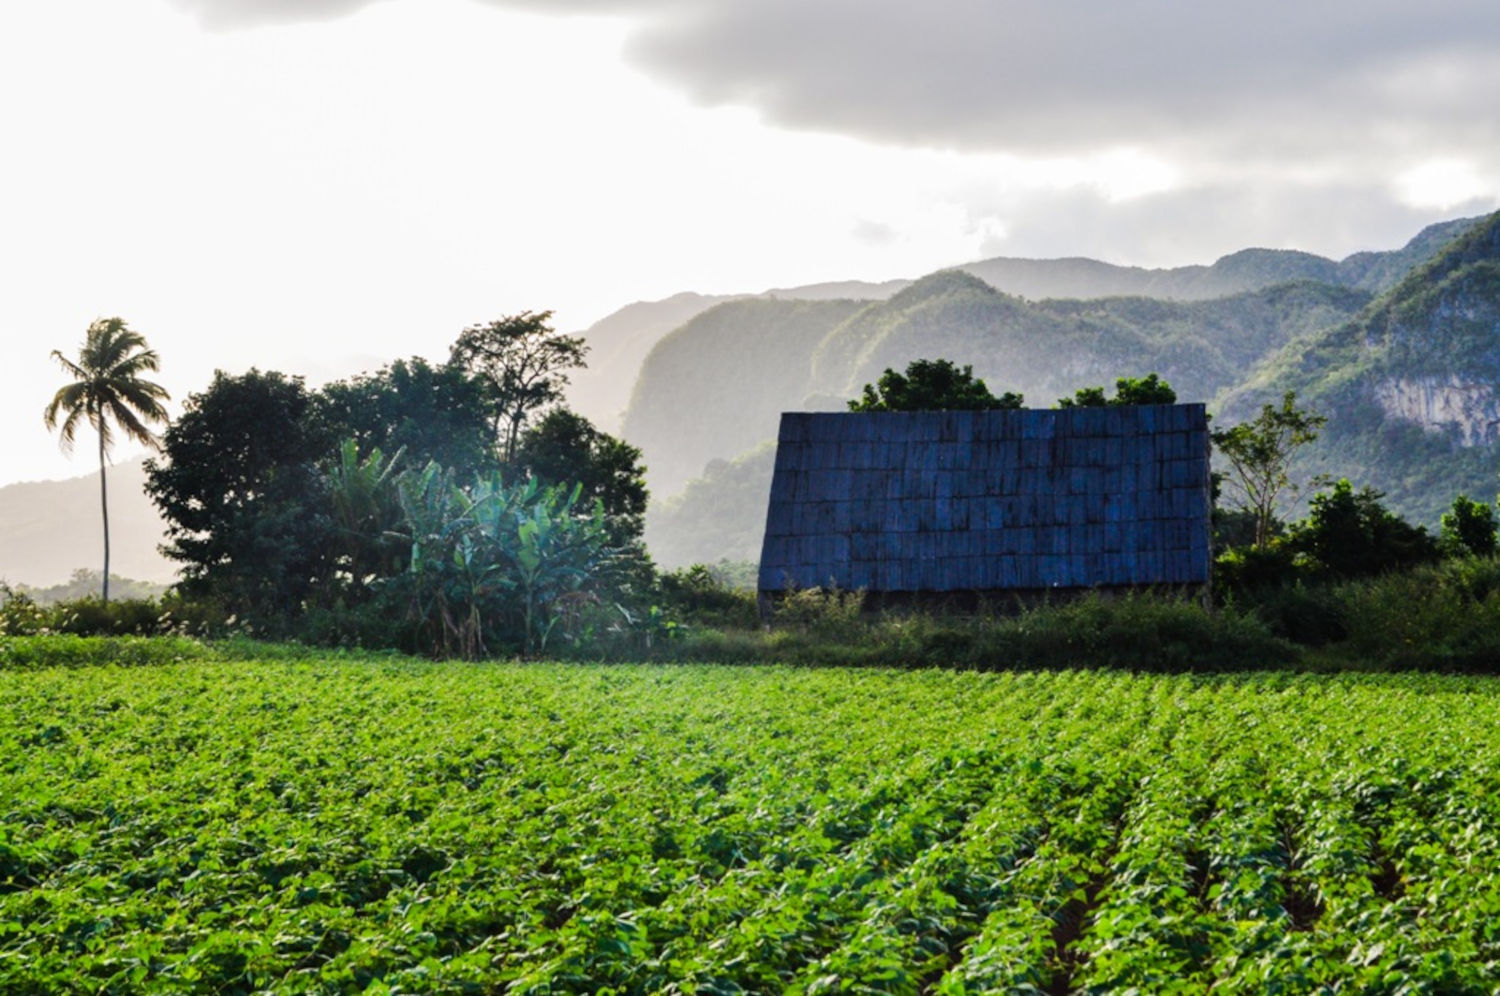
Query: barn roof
{"type": "Point", "coordinates": [989, 500]}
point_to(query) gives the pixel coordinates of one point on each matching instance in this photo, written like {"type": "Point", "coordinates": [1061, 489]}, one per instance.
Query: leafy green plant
{"type": "Point", "coordinates": [1468, 528]}
{"type": "Point", "coordinates": [497, 560]}
{"type": "Point", "coordinates": [258, 818]}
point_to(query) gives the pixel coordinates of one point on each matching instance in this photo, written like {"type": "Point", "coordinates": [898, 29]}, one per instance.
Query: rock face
{"type": "Point", "coordinates": [1468, 409]}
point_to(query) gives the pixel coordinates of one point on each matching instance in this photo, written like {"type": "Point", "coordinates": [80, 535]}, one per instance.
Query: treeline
{"type": "Point", "coordinates": [450, 509]}
{"type": "Point", "coordinates": [458, 510]}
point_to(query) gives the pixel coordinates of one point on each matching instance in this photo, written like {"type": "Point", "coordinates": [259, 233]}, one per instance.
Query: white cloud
{"type": "Point", "coordinates": [1444, 184]}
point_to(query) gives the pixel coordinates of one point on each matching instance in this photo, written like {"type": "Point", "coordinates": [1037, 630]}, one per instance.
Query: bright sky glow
{"type": "Point", "coordinates": [323, 197]}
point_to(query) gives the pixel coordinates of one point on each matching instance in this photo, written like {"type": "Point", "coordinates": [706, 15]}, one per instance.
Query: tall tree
{"type": "Point", "coordinates": [244, 501]}
{"type": "Point", "coordinates": [108, 387]}
{"type": "Point", "coordinates": [524, 365]}
{"type": "Point", "coordinates": [1259, 454]}
{"type": "Point", "coordinates": [434, 413]}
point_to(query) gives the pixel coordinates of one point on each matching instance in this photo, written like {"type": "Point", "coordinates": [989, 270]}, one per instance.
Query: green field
{"type": "Point", "coordinates": [382, 825]}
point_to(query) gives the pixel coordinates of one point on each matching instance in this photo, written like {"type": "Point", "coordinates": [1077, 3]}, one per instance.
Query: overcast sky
{"type": "Point", "coordinates": [320, 186]}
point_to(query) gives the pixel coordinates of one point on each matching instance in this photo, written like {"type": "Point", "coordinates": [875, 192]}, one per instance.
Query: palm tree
{"type": "Point", "coordinates": [108, 388]}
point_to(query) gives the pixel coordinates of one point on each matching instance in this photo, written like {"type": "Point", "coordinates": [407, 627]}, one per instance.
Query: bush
{"type": "Point", "coordinates": [1445, 616]}
{"type": "Point", "coordinates": [1250, 570]}
{"type": "Point", "coordinates": [1146, 633]}
{"type": "Point", "coordinates": [1350, 534]}
{"type": "Point", "coordinates": [701, 595]}
{"type": "Point", "coordinates": [1309, 613]}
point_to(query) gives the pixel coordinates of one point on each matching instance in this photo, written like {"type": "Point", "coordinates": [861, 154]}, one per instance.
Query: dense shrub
{"type": "Point", "coordinates": [1350, 534]}
{"type": "Point", "coordinates": [704, 595]}
{"type": "Point", "coordinates": [1309, 613]}
{"type": "Point", "coordinates": [1445, 616]}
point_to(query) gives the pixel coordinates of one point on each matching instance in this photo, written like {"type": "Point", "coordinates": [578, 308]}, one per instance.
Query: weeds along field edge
{"type": "Point", "coordinates": [320, 824]}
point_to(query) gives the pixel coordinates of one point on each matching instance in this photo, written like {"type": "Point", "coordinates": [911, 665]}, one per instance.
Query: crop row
{"type": "Point", "coordinates": [321, 826]}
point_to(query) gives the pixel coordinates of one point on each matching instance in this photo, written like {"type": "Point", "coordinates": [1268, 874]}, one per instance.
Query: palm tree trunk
{"type": "Point", "coordinates": [104, 506]}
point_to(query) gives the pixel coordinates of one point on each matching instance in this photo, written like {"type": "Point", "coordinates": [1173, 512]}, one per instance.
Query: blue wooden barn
{"type": "Point", "coordinates": [1009, 501]}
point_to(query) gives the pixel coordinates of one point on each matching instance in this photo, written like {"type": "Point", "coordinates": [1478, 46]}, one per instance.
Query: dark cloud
{"type": "Point", "coordinates": [1036, 76]}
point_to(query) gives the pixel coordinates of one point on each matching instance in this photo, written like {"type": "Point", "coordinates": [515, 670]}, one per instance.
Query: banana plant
{"type": "Point", "coordinates": [493, 554]}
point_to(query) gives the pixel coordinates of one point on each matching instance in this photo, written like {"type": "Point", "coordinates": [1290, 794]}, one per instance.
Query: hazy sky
{"type": "Point", "coordinates": [319, 186]}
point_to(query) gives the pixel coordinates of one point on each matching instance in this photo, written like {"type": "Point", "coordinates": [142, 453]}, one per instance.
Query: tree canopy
{"type": "Point", "coordinates": [566, 448]}
{"type": "Point", "coordinates": [931, 385]}
{"type": "Point", "coordinates": [524, 366]}
{"type": "Point", "coordinates": [1147, 390]}
{"type": "Point", "coordinates": [242, 496]}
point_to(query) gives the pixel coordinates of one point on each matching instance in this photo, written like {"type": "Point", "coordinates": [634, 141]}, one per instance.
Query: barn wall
{"type": "Point", "coordinates": [990, 501]}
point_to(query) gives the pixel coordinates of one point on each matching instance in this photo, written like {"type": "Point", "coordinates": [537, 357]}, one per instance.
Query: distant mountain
{"type": "Point", "coordinates": [621, 341]}
{"type": "Point", "coordinates": [711, 387]}
{"type": "Point", "coordinates": [717, 386]}
{"type": "Point", "coordinates": [618, 343]}
{"type": "Point", "coordinates": [708, 393]}
{"type": "Point", "coordinates": [1411, 384]}
{"type": "Point", "coordinates": [48, 529]}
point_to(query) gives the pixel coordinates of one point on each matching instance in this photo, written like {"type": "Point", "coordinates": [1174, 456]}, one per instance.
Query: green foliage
{"type": "Point", "coordinates": [1468, 528]}
{"type": "Point", "coordinates": [432, 414]}
{"type": "Point", "coordinates": [331, 824]}
{"type": "Point", "coordinates": [244, 503]}
{"type": "Point", "coordinates": [90, 615]}
{"type": "Point", "coordinates": [1249, 569]}
{"type": "Point", "coordinates": [1147, 390]}
{"type": "Point", "coordinates": [706, 595]}
{"type": "Point", "coordinates": [825, 613]}
{"type": "Point", "coordinates": [108, 389]}
{"type": "Point", "coordinates": [931, 385]}
{"type": "Point", "coordinates": [366, 512]}
{"type": "Point", "coordinates": [1436, 616]}
{"type": "Point", "coordinates": [1259, 454]}
{"type": "Point", "coordinates": [1350, 534]}
{"type": "Point", "coordinates": [34, 652]}
{"type": "Point", "coordinates": [565, 448]}
{"type": "Point", "coordinates": [492, 563]}
{"type": "Point", "coordinates": [523, 365]}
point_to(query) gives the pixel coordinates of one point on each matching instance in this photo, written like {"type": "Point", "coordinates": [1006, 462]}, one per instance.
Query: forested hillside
{"type": "Point", "coordinates": [1409, 384]}
{"type": "Point", "coordinates": [1207, 348]}
{"type": "Point", "coordinates": [710, 388]}
{"type": "Point", "coordinates": [622, 340]}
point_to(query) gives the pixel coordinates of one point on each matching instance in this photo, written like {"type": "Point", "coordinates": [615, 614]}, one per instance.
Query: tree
{"type": "Point", "coordinates": [1350, 534]}
{"type": "Point", "coordinates": [108, 388]}
{"type": "Point", "coordinates": [1469, 528]}
{"type": "Point", "coordinates": [1147, 390]}
{"type": "Point", "coordinates": [524, 365]}
{"type": "Point", "coordinates": [565, 448]}
{"type": "Point", "coordinates": [434, 413]}
{"type": "Point", "coordinates": [243, 498]}
{"type": "Point", "coordinates": [1259, 454]}
{"type": "Point", "coordinates": [931, 385]}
